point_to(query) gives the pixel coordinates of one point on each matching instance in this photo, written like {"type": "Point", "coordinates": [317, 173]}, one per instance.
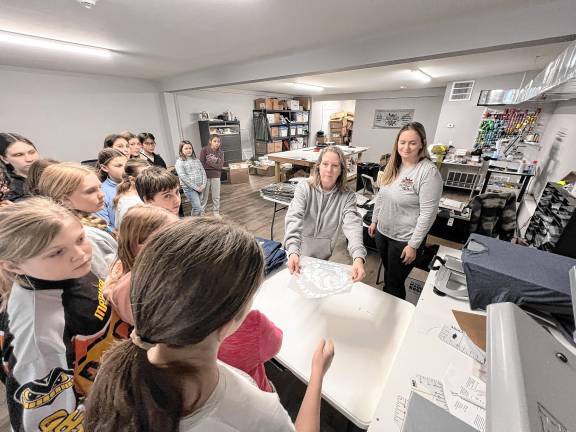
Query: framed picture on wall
{"type": "Point", "coordinates": [392, 119]}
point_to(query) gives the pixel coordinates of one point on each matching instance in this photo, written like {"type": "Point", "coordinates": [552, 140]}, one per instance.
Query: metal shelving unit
{"type": "Point", "coordinates": [265, 142]}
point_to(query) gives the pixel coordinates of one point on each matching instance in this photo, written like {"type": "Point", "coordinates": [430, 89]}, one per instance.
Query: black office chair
{"type": "Point", "coordinates": [369, 184]}
{"type": "Point", "coordinates": [90, 162]}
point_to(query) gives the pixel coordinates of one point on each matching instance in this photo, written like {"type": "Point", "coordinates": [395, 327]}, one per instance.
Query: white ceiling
{"type": "Point", "coordinates": [160, 38]}
{"type": "Point", "coordinates": [443, 71]}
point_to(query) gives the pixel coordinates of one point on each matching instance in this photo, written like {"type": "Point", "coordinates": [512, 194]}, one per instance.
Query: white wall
{"type": "Point", "coordinates": [321, 112]}
{"type": "Point", "coordinates": [426, 103]}
{"type": "Point", "coordinates": [466, 115]}
{"type": "Point", "coordinates": [68, 115]}
{"type": "Point", "coordinates": [558, 155]}
{"type": "Point", "coordinates": [217, 101]}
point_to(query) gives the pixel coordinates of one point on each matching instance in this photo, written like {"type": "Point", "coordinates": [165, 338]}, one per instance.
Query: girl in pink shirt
{"type": "Point", "coordinates": [138, 224]}
{"type": "Point", "coordinates": [255, 342]}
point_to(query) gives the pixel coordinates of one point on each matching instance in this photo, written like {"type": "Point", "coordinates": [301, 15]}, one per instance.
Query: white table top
{"type": "Point", "coordinates": [421, 351]}
{"type": "Point", "coordinates": [308, 154]}
{"type": "Point", "coordinates": [367, 326]}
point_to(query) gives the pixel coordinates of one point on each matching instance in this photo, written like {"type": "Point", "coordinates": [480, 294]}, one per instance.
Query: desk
{"type": "Point", "coordinates": [421, 351]}
{"type": "Point", "coordinates": [367, 326]}
{"type": "Point", "coordinates": [307, 157]}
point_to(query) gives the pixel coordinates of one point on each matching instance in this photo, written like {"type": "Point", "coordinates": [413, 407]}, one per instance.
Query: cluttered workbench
{"type": "Point", "coordinates": [308, 157]}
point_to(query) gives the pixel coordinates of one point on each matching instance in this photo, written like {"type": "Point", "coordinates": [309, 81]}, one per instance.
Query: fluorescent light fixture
{"type": "Point", "coordinates": [308, 87]}
{"type": "Point", "coordinates": [52, 44]}
{"type": "Point", "coordinates": [422, 76]}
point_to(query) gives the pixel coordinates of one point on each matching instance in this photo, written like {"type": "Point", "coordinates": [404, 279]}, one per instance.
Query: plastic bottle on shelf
{"type": "Point", "coordinates": [522, 166]}
{"type": "Point", "coordinates": [534, 167]}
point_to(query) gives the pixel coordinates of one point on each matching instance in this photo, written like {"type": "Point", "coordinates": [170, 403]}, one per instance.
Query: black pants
{"type": "Point", "coordinates": [395, 271]}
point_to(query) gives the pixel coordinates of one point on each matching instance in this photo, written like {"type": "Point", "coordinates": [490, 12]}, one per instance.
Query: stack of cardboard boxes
{"type": "Point", "coordinates": [275, 104]}
{"type": "Point", "coordinates": [341, 127]}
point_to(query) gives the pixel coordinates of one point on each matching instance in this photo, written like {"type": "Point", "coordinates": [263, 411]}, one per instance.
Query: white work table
{"type": "Point", "coordinates": [422, 352]}
{"type": "Point", "coordinates": [367, 326]}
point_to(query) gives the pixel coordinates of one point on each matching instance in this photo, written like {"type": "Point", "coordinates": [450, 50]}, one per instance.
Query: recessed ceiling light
{"type": "Point", "coordinates": [403, 87]}
{"type": "Point", "coordinates": [308, 87]}
{"type": "Point", "coordinates": [88, 4]}
{"type": "Point", "coordinates": [52, 44]}
{"type": "Point", "coordinates": [422, 76]}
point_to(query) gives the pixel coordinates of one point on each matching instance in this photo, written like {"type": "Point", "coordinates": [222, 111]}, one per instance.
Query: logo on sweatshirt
{"type": "Point", "coordinates": [43, 391]}
{"type": "Point", "coordinates": [406, 184]}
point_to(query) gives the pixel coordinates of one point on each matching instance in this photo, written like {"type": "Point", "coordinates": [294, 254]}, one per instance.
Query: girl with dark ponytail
{"type": "Point", "coordinates": [126, 194]}
{"type": "Point", "coordinates": [166, 377]}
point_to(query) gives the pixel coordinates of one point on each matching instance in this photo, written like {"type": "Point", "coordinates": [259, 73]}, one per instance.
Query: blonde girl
{"type": "Point", "coordinates": [55, 321]}
{"type": "Point", "coordinates": [138, 224]}
{"type": "Point", "coordinates": [78, 188]}
{"type": "Point", "coordinates": [110, 170]}
{"type": "Point", "coordinates": [126, 193]}
{"type": "Point", "coordinates": [167, 377]}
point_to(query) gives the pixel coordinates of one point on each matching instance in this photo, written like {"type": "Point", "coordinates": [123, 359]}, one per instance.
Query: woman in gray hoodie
{"type": "Point", "coordinates": [321, 206]}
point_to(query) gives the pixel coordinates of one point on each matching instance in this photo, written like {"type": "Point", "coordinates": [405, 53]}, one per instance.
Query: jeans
{"type": "Point", "coordinates": [194, 198]}
{"type": "Point", "coordinates": [395, 271]}
{"type": "Point", "coordinates": [214, 184]}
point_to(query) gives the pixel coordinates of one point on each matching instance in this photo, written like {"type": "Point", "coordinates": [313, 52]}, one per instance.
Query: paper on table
{"type": "Point", "coordinates": [431, 388]}
{"type": "Point", "coordinates": [319, 278]}
{"type": "Point", "coordinates": [457, 385]}
{"type": "Point", "coordinates": [467, 387]}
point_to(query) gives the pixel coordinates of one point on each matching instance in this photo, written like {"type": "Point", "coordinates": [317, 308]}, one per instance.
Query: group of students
{"type": "Point", "coordinates": [135, 328]}
{"type": "Point", "coordinates": [177, 293]}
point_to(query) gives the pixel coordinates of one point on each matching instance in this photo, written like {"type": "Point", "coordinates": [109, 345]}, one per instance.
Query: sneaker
{"type": "Point", "coordinates": [217, 215]}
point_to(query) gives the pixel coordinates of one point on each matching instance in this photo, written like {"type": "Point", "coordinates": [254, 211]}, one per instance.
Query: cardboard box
{"type": "Point", "coordinates": [338, 124]}
{"type": "Point", "coordinates": [277, 104]}
{"type": "Point", "coordinates": [238, 173]}
{"type": "Point", "coordinates": [267, 171]}
{"type": "Point", "coordinates": [414, 284]}
{"type": "Point", "coordinates": [275, 131]}
{"type": "Point", "coordinates": [293, 105]}
{"type": "Point", "coordinates": [337, 140]}
{"type": "Point", "coordinates": [305, 101]}
{"type": "Point", "coordinates": [277, 146]}
{"type": "Point", "coordinates": [261, 147]}
{"type": "Point", "coordinates": [570, 177]}
{"type": "Point", "coordinates": [252, 170]}
{"type": "Point", "coordinates": [270, 148]}
{"type": "Point", "coordinates": [264, 103]}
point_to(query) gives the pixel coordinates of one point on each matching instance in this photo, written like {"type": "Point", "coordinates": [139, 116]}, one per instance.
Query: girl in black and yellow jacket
{"type": "Point", "coordinates": [55, 323]}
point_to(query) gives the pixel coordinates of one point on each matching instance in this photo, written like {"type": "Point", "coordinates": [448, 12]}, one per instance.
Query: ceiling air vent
{"type": "Point", "coordinates": [461, 90]}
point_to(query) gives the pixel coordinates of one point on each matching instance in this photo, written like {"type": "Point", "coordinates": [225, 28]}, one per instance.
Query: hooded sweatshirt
{"type": "Point", "coordinates": [314, 219]}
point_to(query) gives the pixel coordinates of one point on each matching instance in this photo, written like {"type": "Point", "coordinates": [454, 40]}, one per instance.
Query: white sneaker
{"type": "Point", "coordinates": [217, 215]}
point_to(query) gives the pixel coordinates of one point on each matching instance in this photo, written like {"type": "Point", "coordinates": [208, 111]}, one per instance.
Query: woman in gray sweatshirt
{"type": "Point", "coordinates": [321, 206]}
{"type": "Point", "coordinates": [406, 206]}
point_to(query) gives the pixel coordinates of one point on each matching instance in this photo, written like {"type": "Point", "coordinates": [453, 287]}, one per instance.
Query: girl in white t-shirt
{"type": "Point", "coordinates": [167, 377]}
{"type": "Point", "coordinates": [126, 194]}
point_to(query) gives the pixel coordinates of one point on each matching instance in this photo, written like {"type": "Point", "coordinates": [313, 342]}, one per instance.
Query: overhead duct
{"type": "Point", "coordinates": [556, 82]}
